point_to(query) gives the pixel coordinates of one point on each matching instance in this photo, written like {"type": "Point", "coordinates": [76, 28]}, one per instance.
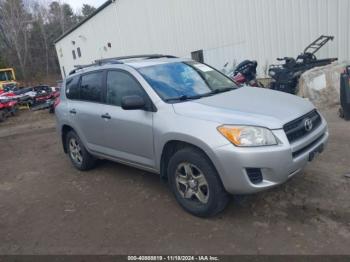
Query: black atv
{"type": "Point", "coordinates": [285, 77]}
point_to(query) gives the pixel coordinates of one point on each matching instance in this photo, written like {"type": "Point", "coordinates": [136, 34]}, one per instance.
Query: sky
{"type": "Point", "coordinates": [77, 4]}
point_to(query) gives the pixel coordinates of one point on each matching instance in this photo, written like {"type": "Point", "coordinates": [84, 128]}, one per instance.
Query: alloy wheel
{"type": "Point", "coordinates": [75, 151]}
{"type": "Point", "coordinates": [191, 183]}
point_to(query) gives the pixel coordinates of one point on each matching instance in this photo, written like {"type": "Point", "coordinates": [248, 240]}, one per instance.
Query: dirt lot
{"type": "Point", "coordinates": [48, 207]}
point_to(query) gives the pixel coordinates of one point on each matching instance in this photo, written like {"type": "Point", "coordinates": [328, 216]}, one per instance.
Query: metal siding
{"type": "Point", "coordinates": [227, 30]}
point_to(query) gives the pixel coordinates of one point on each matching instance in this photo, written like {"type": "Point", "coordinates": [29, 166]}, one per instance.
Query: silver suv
{"type": "Point", "coordinates": [189, 123]}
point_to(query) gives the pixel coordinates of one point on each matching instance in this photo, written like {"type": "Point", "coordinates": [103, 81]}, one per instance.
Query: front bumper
{"type": "Point", "coordinates": [277, 163]}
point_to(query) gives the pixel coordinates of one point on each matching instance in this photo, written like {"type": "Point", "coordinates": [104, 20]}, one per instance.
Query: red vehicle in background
{"type": "Point", "coordinates": [56, 99]}
{"type": "Point", "coordinates": [36, 98]}
{"type": "Point", "coordinates": [8, 106]}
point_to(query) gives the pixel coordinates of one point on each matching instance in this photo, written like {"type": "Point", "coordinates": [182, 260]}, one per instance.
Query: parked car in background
{"type": "Point", "coordinates": [42, 94]}
{"type": "Point", "coordinates": [8, 107]}
{"type": "Point", "coordinates": [189, 123]}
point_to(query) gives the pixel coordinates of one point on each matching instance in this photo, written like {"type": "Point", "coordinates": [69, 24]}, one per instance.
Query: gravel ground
{"type": "Point", "coordinates": [48, 207]}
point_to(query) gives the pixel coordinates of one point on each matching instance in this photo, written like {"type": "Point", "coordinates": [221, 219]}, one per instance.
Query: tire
{"type": "Point", "coordinates": [2, 116]}
{"type": "Point", "coordinates": [79, 156]}
{"type": "Point", "coordinates": [31, 103]}
{"type": "Point", "coordinates": [212, 199]}
{"type": "Point", "coordinates": [14, 111]}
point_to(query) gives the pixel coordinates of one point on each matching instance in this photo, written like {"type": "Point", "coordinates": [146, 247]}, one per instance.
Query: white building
{"type": "Point", "coordinates": [228, 31]}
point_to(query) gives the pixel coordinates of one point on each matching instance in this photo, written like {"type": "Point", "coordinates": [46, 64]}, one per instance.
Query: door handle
{"type": "Point", "coordinates": [73, 111]}
{"type": "Point", "coordinates": [106, 116]}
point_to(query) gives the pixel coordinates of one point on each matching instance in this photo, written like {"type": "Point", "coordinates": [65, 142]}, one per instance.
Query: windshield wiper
{"type": "Point", "coordinates": [222, 90]}
{"type": "Point", "coordinates": [218, 91]}
{"type": "Point", "coordinates": [183, 98]}
{"type": "Point", "coordinates": [213, 92]}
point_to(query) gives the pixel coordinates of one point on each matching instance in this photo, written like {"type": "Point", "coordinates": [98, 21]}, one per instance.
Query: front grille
{"type": "Point", "coordinates": [254, 175]}
{"type": "Point", "coordinates": [296, 129]}
{"type": "Point", "coordinates": [307, 147]}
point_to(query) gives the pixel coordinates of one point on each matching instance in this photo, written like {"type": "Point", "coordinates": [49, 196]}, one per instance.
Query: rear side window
{"type": "Point", "coordinates": [72, 88]}
{"type": "Point", "coordinates": [120, 84]}
{"type": "Point", "coordinates": [91, 87]}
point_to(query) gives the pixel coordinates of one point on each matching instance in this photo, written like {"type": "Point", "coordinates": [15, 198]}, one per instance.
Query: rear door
{"type": "Point", "coordinates": [87, 106]}
{"type": "Point", "coordinates": [128, 134]}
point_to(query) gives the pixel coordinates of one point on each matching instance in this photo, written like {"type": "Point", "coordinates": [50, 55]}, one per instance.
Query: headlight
{"type": "Point", "coordinates": [246, 136]}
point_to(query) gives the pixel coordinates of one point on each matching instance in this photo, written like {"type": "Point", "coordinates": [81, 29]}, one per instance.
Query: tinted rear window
{"type": "Point", "coordinates": [91, 87]}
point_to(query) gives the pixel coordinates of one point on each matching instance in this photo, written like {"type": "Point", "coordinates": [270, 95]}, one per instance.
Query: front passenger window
{"type": "Point", "coordinates": [120, 84]}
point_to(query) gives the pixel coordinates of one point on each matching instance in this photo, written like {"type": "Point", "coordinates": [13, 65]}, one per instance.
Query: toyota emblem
{"type": "Point", "coordinates": [308, 124]}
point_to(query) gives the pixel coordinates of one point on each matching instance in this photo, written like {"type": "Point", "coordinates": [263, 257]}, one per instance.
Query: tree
{"type": "Point", "coordinates": [15, 23]}
{"type": "Point", "coordinates": [87, 10]}
{"type": "Point", "coordinates": [28, 29]}
{"type": "Point", "coordinates": [40, 14]}
{"type": "Point", "coordinates": [62, 15]}
{"type": "Point", "coordinates": [2, 62]}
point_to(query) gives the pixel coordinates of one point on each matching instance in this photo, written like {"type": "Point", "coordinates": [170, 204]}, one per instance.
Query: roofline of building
{"type": "Point", "coordinates": [107, 3]}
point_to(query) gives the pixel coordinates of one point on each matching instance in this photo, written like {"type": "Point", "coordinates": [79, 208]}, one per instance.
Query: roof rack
{"type": "Point", "coordinates": [151, 56]}
{"type": "Point", "coordinates": [117, 60]}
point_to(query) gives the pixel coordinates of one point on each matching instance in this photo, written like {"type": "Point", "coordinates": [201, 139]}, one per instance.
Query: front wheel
{"type": "Point", "coordinates": [196, 184]}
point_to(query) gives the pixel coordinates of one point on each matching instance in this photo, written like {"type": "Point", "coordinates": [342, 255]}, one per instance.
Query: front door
{"type": "Point", "coordinates": [127, 134]}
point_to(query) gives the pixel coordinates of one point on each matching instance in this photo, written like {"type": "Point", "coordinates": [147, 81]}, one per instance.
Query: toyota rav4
{"type": "Point", "coordinates": [190, 124]}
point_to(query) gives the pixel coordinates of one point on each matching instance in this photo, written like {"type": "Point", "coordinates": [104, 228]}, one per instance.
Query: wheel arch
{"type": "Point", "coordinates": [64, 131]}
{"type": "Point", "coordinates": [171, 146]}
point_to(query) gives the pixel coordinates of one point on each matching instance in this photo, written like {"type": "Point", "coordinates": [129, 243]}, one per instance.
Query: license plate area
{"type": "Point", "coordinates": [314, 153]}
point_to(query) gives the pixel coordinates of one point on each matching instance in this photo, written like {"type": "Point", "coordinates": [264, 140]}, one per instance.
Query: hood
{"type": "Point", "coordinates": [247, 106]}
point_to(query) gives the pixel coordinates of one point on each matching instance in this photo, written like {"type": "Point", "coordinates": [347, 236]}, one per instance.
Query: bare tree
{"type": "Point", "coordinates": [28, 29]}
{"type": "Point", "coordinates": [41, 16]}
{"type": "Point", "coordinates": [15, 26]}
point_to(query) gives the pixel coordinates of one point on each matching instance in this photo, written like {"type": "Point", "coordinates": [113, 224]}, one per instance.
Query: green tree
{"type": "Point", "coordinates": [62, 15]}
{"type": "Point", "coordinates": [87, 10]}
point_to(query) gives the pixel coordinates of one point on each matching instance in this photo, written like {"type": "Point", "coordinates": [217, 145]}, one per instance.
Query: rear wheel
{"type": "Point", "coordinates": [14, 110]}
{"type": "Point", "coordinates": [78, 154]}
{"type": "Point", "coordinates": [196, 184]}
{"type": "Point", "coordinates": [30, 103]}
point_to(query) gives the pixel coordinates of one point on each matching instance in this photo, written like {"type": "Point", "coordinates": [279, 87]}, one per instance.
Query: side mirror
{"type": "Point", "coordinates": [133, 102]}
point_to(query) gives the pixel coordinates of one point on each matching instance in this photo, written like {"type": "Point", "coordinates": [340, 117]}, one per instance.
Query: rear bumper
{"type": "Point", "coordinates": [277, 163]}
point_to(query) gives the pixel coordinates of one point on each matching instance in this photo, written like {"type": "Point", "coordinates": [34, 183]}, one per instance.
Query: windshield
{"type": "Point", "coordinates": [6, 76]}
{"type": "Point", "coordinates": [181, 81]}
